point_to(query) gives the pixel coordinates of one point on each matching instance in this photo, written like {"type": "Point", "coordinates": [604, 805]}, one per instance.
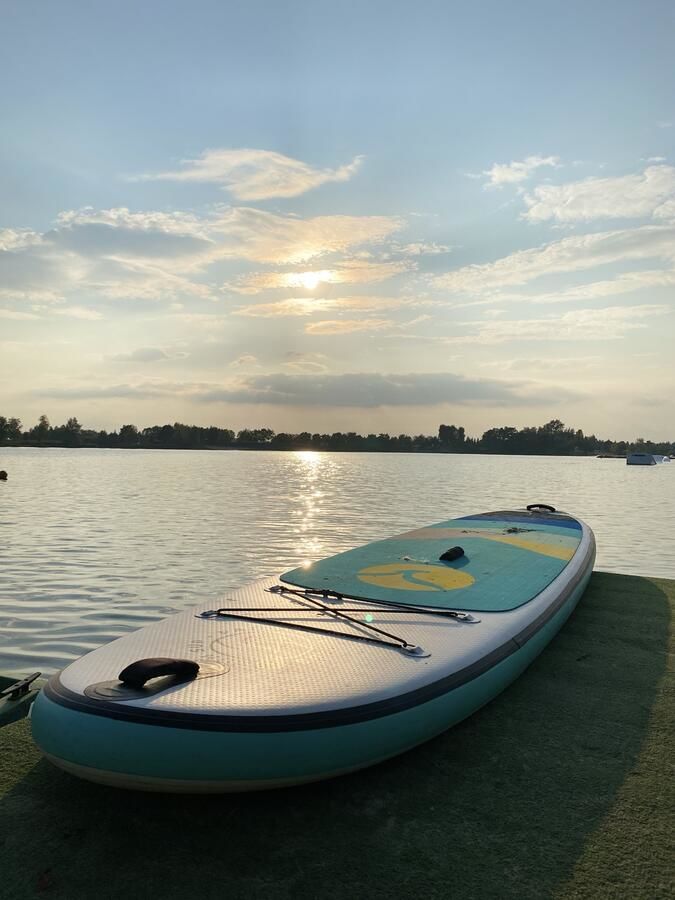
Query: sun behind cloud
{"type": "Point", "coordinates": [309, 280]}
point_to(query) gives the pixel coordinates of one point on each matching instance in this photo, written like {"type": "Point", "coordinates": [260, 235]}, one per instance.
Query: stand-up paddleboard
{"type": "Point", "coordinates": [331, 668]}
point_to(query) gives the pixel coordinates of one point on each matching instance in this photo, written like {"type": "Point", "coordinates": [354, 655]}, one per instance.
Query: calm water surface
{"type": "Point", "coordinates": [95, 543]}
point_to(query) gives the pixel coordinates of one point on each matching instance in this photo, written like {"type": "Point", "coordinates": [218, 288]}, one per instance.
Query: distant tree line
{"type": "Point", "coordinates": [553, 438]}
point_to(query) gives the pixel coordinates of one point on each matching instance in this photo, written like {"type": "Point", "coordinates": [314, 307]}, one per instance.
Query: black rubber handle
{"type": "Point", "coordinates": [541, 506]}
{"type": "Point", "coordinates": [452, 553]}
{"type": "Point", "coordinates": [136, 674]}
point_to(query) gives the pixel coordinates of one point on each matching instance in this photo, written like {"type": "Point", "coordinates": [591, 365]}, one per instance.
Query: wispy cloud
{"type": "Point", "coordinates": [543, 364]}
{"type": "Point", "coordinates": [123, 220]}
{"type": "Point", "coordinates": [357, 390]}
{"type": "Point", "coordinates": [308, 306]}
{"type": "Point", "coordinates": [515, 172]}
{"type": "Point", "coordinates": [297, 361]}
{"type": "Point", "coordinates": [125, 280]}
{"type": "Point", "coordinates": [77, 312]}
{"type": "Point", "coordinates": [607, 324]}
{"type": "Point", "coordinates": [145, 355]}
{"type": "Point", "coordinates": [260, 236]}
{"type": "Point", "coordinates": [18, 238]}
{"type": "Point", "coordinates": [36, 295]}
{"type": "Point", "coordinates": [628, 282]}
{"type": "Point", "coordinates": [570, 254]}
{"type": "Point", "coordinates": [247, 359]}
{"type": "Point", "coordinates": [627, 196]}
{"type": "Point", "coordinates": [203, 321]}
{"type": "Point", "coordinates": [16, 315]}
{"type": "Point", "coordinates": [143, 390]}
{"type": "Point", "coordinates": [39, 311]}
{"type": "Point", "coordinates": [119, 254]}
{"type": "Point", "coordinates": [423, 248]}
{"type": "Point", "coordinates": [355, 271]}
{"type": "Point", "coordinates": [256, 174]}
{"type": "Point", "coordinates": [369, 390]}
{"type": "Point", "coordinates": [347, 326]}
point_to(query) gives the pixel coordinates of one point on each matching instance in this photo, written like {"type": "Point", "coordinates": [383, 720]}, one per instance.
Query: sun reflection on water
{"type": "Point", "coordinates": [309, 504]}
{"type": "Point", "coordinates": [311, 457]}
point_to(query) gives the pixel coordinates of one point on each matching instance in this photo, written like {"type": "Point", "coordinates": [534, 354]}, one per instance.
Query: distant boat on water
{"type": "Point", "coordinates": [646, 459]}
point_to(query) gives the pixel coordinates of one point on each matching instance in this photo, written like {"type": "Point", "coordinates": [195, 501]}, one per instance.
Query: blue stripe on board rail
{"type": "Point", "coordinates": [507, 516]}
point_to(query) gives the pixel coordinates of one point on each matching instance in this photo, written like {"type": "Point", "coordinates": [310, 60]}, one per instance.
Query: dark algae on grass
{"type": "Point", "coordinates": [560, 788]}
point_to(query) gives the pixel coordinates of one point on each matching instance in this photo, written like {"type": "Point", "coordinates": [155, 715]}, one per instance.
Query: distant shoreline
{"type": "Point", "coordinates": [552, 439]}
{"type": "Point", "coordinates": [27, 445]}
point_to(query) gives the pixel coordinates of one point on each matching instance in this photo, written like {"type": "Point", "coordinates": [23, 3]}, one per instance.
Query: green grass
{"type": "Point", "coordinates": [561, 788]}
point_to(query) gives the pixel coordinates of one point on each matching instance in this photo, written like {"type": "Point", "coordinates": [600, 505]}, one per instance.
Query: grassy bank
{"type": "Point", "coordinates": [561, 788]}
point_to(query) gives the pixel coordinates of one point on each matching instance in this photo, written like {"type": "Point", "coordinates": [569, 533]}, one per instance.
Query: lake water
{"type": "Point", "coordinates": [94, 543]}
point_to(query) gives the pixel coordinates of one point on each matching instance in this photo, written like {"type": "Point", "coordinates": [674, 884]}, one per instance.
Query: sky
{"type": "Point", "coordinates": [354, 216]}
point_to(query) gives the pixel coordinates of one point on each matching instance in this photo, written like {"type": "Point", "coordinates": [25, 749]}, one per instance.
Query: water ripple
{"type": "Point", "coordinates": [95, 543]}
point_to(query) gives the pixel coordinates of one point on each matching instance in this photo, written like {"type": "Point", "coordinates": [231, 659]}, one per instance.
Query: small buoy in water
{"type": "Point", "coordinates": [3, 475]}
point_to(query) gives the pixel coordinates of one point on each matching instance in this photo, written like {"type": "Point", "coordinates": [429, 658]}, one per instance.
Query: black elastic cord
{"type": "Point", "coordinates": [357, 609]}
{"type": "Point", "coordinates": [400, 645]}
{"type": "Point", "coordinates": [305, 594]}
{"type": "Point", "coordinates": [311, 596]}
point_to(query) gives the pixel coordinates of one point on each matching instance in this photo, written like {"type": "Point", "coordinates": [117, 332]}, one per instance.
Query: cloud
{"type": "Point", "coordinates": [317, 388]}
{"type": "Point", "coordinates": [77, 312]}
{"type": "Point", "coordinates": [347, 326]}
{"type": "Point", "coordinates": [260, 236]}
{"type": "Point", "coordinates": [666, 211]}
{"type": "Point", "coordinates": [246, 360]}
{"type": "Point", "coordinates": [609, 323]}
{"type": "Point", "coordinates": [515, 172]}
{"type": "Point", "coordinates": [347, 272]}
{"type": "Point", "coordinates": [17, 316]}
{"type": "Point", "coordinates": [622, 284]}
{"type": "Point", "coordinates": [205, 321]}
{"type": "Point", "coordinates": [628, 196]}
{"type": "Point", "coordinates": [123, 220]}
{"type": "Point", "coordinates": [308, 306]}
{"type": "Point", "coordinates": [370, 390]}
{"type": "Point", "coordinates": [18, 238]}
{"type": "Point", "coordinates": [30, 296]}
{"type": "Point", "coordinates": [114, 253]}
{"type": "Point", "coordinates": [71, 312]}
{"type": "Point", "coordinates": [104, 392]}
{"type": "Point", "coordinates": [256, 174]}
{"type": "Point", "coordinates": [143, 354]}
{"type": "Point", "coordinates": [571, 254]}
{"type": "Point", "coordinates": [542, 364]}
{"type": "Point", "coordinates": [118, 234]}
{"type": "Point", "coordinates": [294, 306]}
{"type": "Point", "coordinates": [305, 362]}
{"type": "Point", "coordinates": [124, 280]}
{"type": "Point", "coordinates": [144, 390]}
{"type": "Point", "coordinates": [422, 248]}
{"type": "Point", "coordinates": [120, 254]}
{"type": "Point", "coordinates": [35, 270]}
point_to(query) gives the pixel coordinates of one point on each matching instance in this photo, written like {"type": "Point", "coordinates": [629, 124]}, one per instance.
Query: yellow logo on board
{"type": "Point", "coordinates": [411, 576]}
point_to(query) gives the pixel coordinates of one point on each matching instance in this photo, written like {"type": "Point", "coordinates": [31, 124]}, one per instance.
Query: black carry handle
{"type": "Point", "coordinates": [452, 553]}
{"type": "Point", "coordinates": [541, 506]}
{"type": "Point", "coordinates": [136, 674]}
